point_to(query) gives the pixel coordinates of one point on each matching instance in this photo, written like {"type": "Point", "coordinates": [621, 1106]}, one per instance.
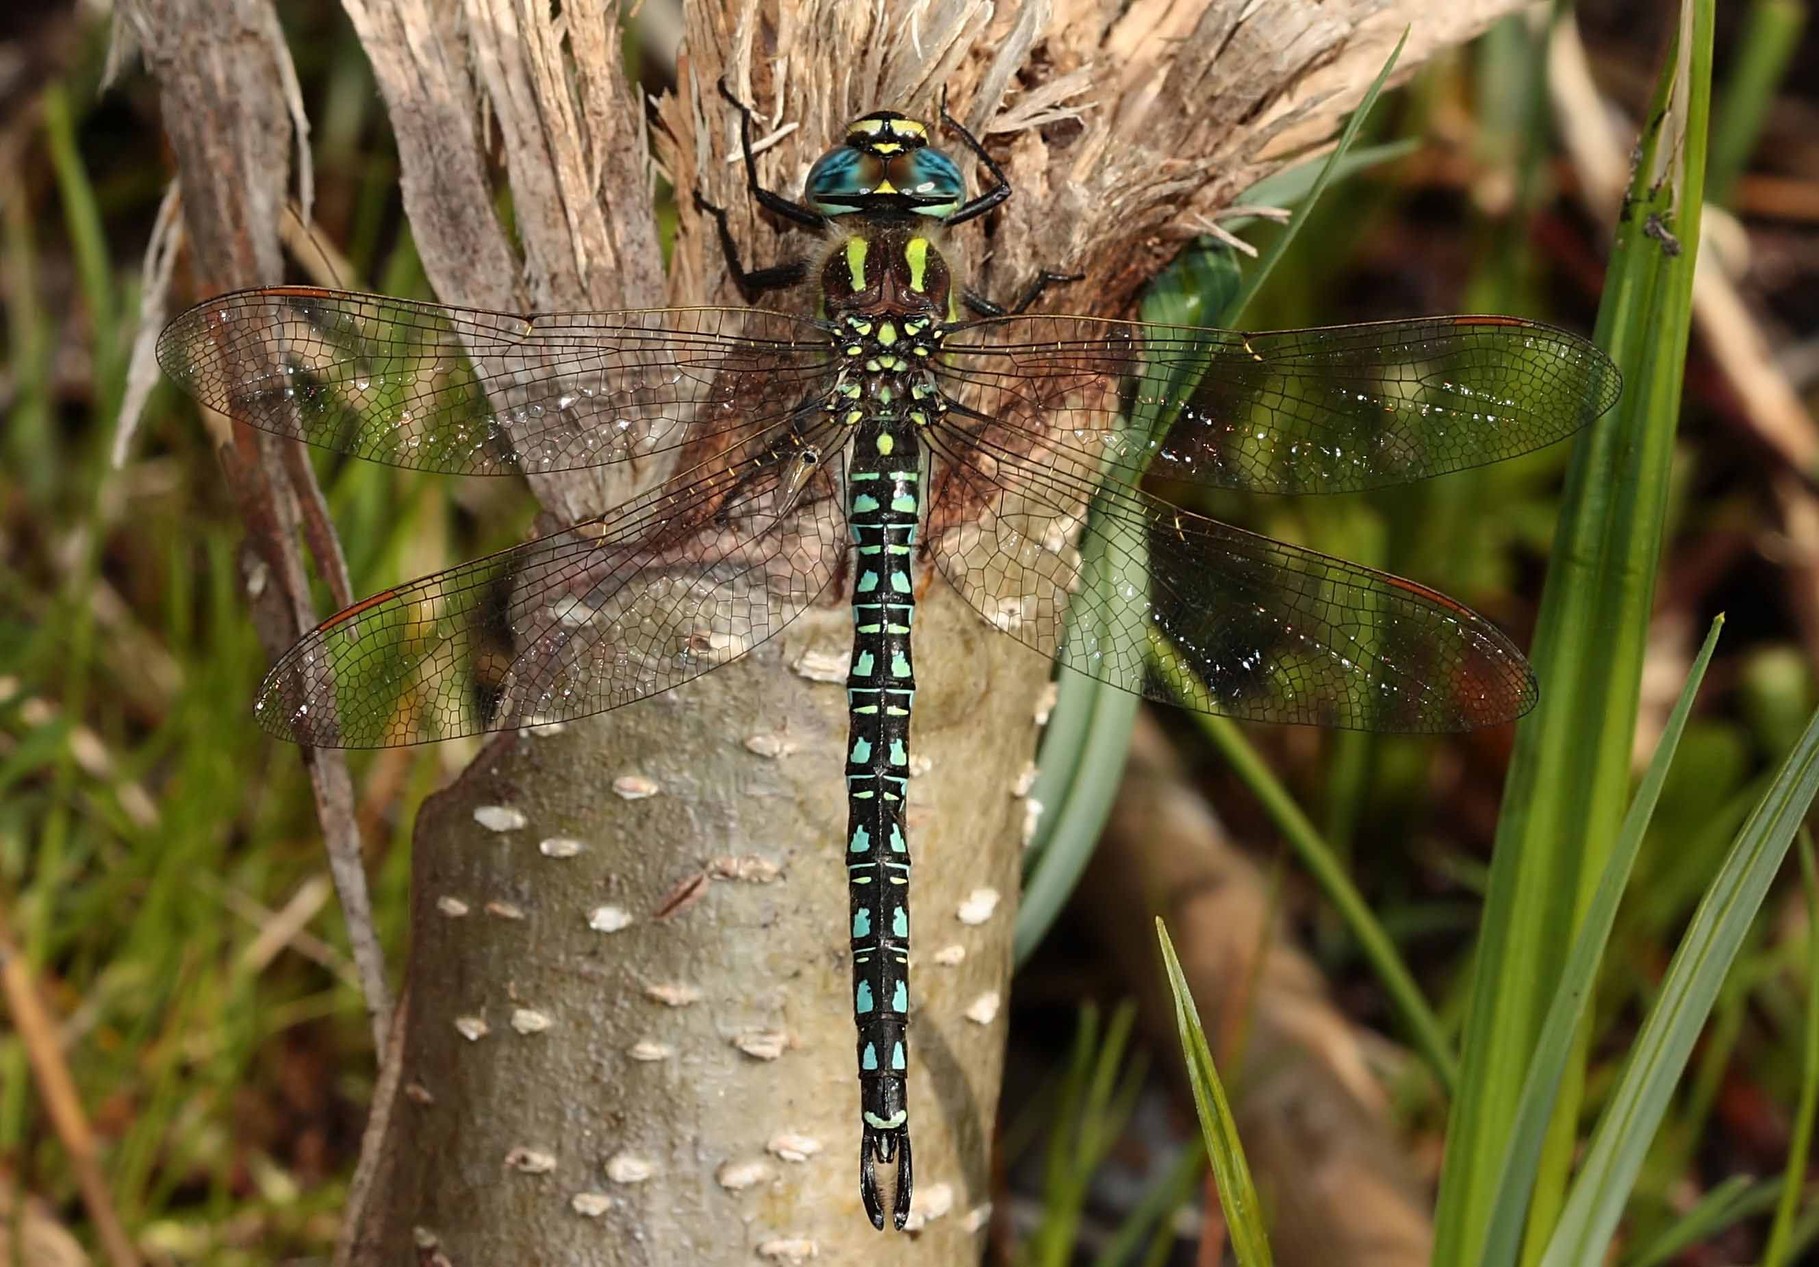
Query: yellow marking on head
{"type": "Point", "coordinates": [915, 253]}
{"type": "Point", "coordinates": [886, 443]}
{"type": "Point", "coordinates": [867, 126]}
{"type": "Point", "coordinates": [856, 249]}
{"type": "Point", "coordinates": [886, 147]}
{"type": "Point", "coordinates": [909, 126]}
{"type": "Point", "coordinates": [884, 187]}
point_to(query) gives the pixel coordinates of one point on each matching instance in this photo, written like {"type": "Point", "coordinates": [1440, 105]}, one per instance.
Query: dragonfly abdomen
{"type": "Point", "coordinates": [883, 509]}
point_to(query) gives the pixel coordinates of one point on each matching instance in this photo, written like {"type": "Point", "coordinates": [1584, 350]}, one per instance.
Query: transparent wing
{"type": "Point", "coordinates": [1271, 632]}
{"type": "Point", "coordinates": [661, 590]}
{"type": "Point", "coordinates": [483, 393]}
{"type": "Point", "coordinates": [1296, 411]}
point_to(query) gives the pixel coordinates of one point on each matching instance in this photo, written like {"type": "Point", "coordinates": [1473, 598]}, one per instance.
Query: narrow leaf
{"type": "Point", "coordinates": [1659, 1055]}
{"type": "Point", "coordinates": [1237, 1195]}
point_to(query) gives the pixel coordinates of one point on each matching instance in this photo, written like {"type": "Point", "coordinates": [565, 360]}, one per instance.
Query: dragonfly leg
{"type": "Point", "coordinates": [1001, 185]}
{"type": "Point", "coordinates": [769, 199]}
{"type": "Point", "coordinates": [759, 281]}
{"type": "Point", "coordinates": [984, 307]}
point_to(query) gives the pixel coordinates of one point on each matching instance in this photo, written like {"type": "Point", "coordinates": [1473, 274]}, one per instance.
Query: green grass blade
{"type": "Point", "coordinates": [1764, 51]}
{"type": "Point", "coordinates": [1237, 1195]}
{"type": "Point", "coordinates": [1570, 771]}
{"type": "Point", "coordinates": [1150, 1221]}
{"type": "Point", "coordinates": [1659, 1055]}
{"type": "Point", "coordinates": [1781, 1232]}
{"type": "Point", "coordinates": [1521, 1161]}
{"type": "Point", "coordinates": [1726, 1205]}
{"type": "Point", "coordinates": [1097, 1097]}
{"type": "Point", "coordinates": [1079, 777]}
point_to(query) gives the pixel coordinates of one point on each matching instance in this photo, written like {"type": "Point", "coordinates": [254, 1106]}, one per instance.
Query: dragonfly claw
{"type": "Point", "coordinates": [880, 1148]}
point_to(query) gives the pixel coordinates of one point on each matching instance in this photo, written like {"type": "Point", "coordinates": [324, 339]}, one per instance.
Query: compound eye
{"type": "Point", "coordinates": [839, 180]}
{"type": "Point", "coordinates": [931, 179]}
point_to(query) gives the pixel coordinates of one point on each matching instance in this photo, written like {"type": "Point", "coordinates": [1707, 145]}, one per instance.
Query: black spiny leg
{"type": "Point", "coordinates": [790, 210]}
{"type": "Point", "coordinates": [759, 281]}
{"type": "Point", "coordinates": [984, 307]}
{"type": "Point", "coordinates": [1001, 188]}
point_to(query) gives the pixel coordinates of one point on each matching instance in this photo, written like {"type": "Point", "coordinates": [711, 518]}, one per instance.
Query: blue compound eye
{"type": "Point", "coordinates": [840, 180]}
{"type": "Point", "coordinates": [930, 181]}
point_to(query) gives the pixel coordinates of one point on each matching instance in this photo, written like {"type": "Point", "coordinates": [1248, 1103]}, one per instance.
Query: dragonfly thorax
{"type": "Point", "coordinates": [892, 267]}
{"type": "Point", "coordinates": [886, 293]}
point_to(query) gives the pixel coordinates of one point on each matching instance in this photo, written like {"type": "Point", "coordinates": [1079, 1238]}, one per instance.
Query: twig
{"type": "Point", "coordinates": [57, 1089]}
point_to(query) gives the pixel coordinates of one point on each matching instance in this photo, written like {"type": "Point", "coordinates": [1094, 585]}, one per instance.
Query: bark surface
{"type": "Point", "coordinates": [628, 1036]}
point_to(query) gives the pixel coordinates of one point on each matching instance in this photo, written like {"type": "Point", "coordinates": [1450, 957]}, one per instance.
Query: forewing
{"type": "Point", "coordinates": [481, 393]}
{"type": "Point", "coordinates": [1268, 631]}
{"type": "Point", "coordinates": [1296, 411]}
{"type": "Point", "coordinates": [662, 590]}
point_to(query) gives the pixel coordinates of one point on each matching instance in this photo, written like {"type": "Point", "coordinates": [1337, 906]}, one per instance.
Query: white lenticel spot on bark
{"type": "Point", "coordinates": [736, 1176]}
{"type": "Point", "coordinates": [530, 1021]}
{"type": "Point", "coordinates": [790, 1146]}
{"type": "Point", "coordinates": [823, 666]}
{"type": "Point", "coordinates": [627, 1168]}
{"type": "Point", "coordinates": [984, 1009]}
{"type": "Point", "coordinates": [931, 1202]}
{"type": "Point", "coordinates": [770, 745]}
{"type": "Point", "coordinates": [529, 1161]}
{"type": "Point", "coordinates": [978, 906]}
{"type": "Point", "coordinates": [767, 1044]}
{"type": "Point", "coordinates": [500, 817]}
{"type": "Point", "coordinates": [672, 993]}
{"type": "Point", "coordinates": [636, 787]}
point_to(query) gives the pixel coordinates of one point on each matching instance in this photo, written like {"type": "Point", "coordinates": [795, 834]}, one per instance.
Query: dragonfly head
{"type": "Point", "coordinates": [885, 164]}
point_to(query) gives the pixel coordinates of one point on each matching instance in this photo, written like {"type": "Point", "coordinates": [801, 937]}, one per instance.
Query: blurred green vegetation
{"type": "Point", "coordinates": [149, 833]}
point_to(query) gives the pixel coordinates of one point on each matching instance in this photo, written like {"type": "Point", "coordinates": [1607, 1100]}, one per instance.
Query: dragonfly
{"type": "Point", "coordinates": [890, 426]}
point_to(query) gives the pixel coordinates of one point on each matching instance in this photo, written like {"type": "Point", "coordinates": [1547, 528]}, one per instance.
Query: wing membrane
{"type": "Point", "coordinates": [660, 591]}
{"type": "Point", "coordinates": [1271, 632]}
{"type": "Point", "coordinates": [480, 393]}
{"type": "Point", "coordinates": [1296, 411]}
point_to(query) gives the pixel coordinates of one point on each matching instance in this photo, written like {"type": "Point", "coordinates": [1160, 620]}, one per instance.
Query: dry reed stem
{"type": "Point", "coordinates": [62, 1103]}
